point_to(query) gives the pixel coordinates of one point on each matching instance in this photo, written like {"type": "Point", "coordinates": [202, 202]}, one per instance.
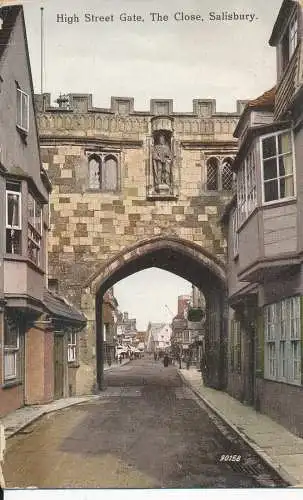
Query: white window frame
{"type": "Point", "coordinates": [72, 347]}
{"type": "Point", "coordinates": [20, 95]}
{"type": "Point", "coordinates": [247, 187]}
{"type": "Point", "coordinates": [282, 349]}
{"type": "Point", "coordinates": [287, 198]}
{"type": "Point", "coordinates": [11, 352]}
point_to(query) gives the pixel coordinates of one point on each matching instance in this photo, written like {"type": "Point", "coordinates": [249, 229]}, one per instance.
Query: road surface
{"type": "Point", "coordinates": [147, 430]}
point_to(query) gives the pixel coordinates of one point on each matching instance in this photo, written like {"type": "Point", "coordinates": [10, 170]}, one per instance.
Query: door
{"type": "Point", "coordinates": [58, 366]}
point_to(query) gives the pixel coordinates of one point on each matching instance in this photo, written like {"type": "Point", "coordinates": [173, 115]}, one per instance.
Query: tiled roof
{"type": "Point", "coordinates": [266, 100]}
{"type": "Point", "coordinates": [61, 309]}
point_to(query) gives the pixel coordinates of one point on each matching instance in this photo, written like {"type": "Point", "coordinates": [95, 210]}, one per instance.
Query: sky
{"type": "Point", "coordinates": [222, 60]}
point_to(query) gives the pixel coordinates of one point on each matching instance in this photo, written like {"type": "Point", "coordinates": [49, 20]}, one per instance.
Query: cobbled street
{"type": "Point", "coordinates": [147, 430]}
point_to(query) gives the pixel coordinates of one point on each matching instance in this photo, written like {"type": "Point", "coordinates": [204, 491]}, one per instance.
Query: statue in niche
{"type": "Point", "coordinates": [162, 160]}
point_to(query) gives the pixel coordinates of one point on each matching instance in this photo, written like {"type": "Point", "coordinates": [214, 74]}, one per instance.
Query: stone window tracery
{"type": "Point", "coordinates": [219, 174]}
{"type": "Point", "coordinates": [103, 171]}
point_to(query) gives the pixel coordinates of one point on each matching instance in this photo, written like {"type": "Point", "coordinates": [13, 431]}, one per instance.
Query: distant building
{"type": "Point", "coordinates": [159, 337]}
{"type": "Point", "coordinates": [180, 335]}
{"type": "Point", "coordinates": [110, 318]}
{"type": "Point", "coordinates": [126, 330]}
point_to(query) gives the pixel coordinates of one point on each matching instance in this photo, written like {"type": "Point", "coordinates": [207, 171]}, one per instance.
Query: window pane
{"type": "Point", "coordinates": [38, 217]}
{"type": "Point", "coordinates": [10, 365]}
{"type": "Point", "coordinates": [94, 173]}
{"type": "Point", "coordinates": [286, 187]}
{"type": "Point", "coordinates": [31, 210]}
{"type": "Point", "coordinates": [271, 190]}
{"type": "Point", "coordinates": [24, 108]}
{"type": "Point", "coordinates": [11, 333]}
{"type": "Point", "coordinates": [285, 165]}
{"type": "Point", "coordinates": [284, 143]}
{"type": "Point", "coordinates": [227, 176]}
{"type": "Point", "coordinates": [13, 212]}
{"type": "Point", "coordinates": [269, 147]}
{"type": "Point", "coordinates": [19, 108]}
{"type": "Point", "coordinates": [270, 169]}
{"type": "Point", "coordinates": [212, 174]}
{"type": "Point", "coordinates": [13, 241]}
{"type": "Point", "coordinates": [109, 181]}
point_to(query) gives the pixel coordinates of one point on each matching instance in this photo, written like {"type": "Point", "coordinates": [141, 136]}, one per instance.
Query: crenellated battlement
{"type": "Point", "coordinates": [74, 115]}
{"type": "Point", "coordinates": [83, 103]}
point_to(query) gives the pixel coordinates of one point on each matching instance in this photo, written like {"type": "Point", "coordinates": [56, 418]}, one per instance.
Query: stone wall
{"type": "Point", "coordinates": [89, 227]}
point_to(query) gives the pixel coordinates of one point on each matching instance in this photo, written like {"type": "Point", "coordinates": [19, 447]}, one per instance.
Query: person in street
{"type": "Point", "coordinates": [179, 359]}
{"type": "Point", "coordinates": [165, 360]}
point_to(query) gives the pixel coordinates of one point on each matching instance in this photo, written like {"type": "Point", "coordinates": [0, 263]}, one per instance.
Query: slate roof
{"type": "Point", "coordinates": [62, 310]}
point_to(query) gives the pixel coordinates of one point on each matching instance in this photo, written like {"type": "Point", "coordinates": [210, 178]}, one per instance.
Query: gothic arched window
{"type": "Point", "coordinates": [212, 173]}
{"type": "Point", "coordinates": [110, 173]}
{"type": "Point", "coordinates": [227, 174]}
{"type": "Point", "coordinates": [94, 168]}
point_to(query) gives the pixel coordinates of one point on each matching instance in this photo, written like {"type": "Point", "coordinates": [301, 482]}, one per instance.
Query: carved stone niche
{"type": "Point", "coordinates": [161, 172]}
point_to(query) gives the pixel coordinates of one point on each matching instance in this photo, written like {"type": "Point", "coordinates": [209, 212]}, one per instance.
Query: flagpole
{"type": "Point", "coordinates": [42, 35]}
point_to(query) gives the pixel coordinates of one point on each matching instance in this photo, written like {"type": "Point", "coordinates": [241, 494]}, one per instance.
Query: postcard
{"type": "Point", "coordinates": [151, 250]}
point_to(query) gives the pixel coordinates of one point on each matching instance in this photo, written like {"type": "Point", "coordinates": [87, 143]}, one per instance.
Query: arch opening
{"type": "Point", "coordinates": [186, 260]}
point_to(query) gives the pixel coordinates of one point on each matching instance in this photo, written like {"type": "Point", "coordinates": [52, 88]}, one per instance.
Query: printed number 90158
{"type": "Point", "coordinates": [230, 458]}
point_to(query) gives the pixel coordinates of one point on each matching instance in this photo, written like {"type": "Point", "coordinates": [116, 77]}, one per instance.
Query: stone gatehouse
{"type": "Point", "coordinates": [131, 190]}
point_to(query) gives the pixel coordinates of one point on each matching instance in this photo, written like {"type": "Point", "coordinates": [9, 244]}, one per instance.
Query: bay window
{"type": "Point", "coordinates": [282, 338]}
{"type": "Point", "coordinates": [34, 229]}
{"type": "Point", "coordinates": [13, 218]}
{"type": "Point", "coordinates": [277, 167]}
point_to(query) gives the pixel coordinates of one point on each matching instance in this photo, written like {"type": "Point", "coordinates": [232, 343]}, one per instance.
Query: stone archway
{"type": "Point", "coordinates": [183, 258]}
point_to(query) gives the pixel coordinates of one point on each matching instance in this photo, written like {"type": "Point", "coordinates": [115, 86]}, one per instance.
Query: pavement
{"type": "Point", "coordinates": [17, 420]}
{"type": "Point", "coordinates": [278, 447]}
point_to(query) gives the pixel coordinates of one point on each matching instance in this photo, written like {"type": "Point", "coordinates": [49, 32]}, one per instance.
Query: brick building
{"type": "Point", "coordinates": [28, 318]}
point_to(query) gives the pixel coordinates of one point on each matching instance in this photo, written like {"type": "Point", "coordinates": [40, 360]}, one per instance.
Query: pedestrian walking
{"type": "Point", "coordinates": [165, 360]}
